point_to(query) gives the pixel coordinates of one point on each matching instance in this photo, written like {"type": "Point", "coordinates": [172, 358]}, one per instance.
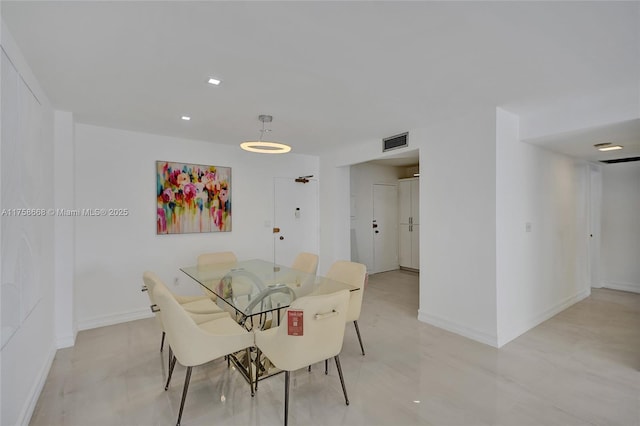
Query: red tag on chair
{"type": "Point", "coordinates": [294, 323]}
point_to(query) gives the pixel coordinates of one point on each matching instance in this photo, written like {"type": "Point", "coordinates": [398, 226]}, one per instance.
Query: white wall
{"type": "Point", "coordinates": [483, 276]}
{"type": "Point", "coordinates": [457, 247]}
{"type": "Point", "coordinates": [621, 226]}
{"type": "Point", "coordinates": [27, 242]}
{"type": "Point", "coordinates": [116, 169]}
{"type": "Point", "coordinates": [335, 240]}
{"type": "Point", "coordinates": [542, 271]}
{"type": "Point", "coordinates": [458, 226]}
{"type": "Point", "coordinates": [64, 250]}
{"type": "Point", "coordinates": [363, 177]}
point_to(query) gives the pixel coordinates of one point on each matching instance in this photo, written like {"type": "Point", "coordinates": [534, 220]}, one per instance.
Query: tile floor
{"type": "Point", "coordinates": [581, 367]}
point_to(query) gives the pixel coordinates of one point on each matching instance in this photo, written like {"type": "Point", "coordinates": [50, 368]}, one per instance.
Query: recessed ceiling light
{"type": "Point", "coordinates": [213, 81]}
{"type": "Point", "coordinates": [607, 146]}
{"type": "Point", "coordinates": [186, 118]}
{"type": "Point", "coordinates": [610, 148]}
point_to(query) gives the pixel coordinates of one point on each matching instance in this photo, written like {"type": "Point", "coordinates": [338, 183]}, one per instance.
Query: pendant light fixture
{"type": "Point", "coordinates": [264, 147]}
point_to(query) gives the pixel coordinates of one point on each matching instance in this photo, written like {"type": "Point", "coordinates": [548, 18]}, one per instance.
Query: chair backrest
{"type": "Point", "coordinates": [323, 324]}
{"type": "Point", "coordinates": [220, 258]}
{"type": "Point", "coordinates": [150, 280]}
{"type": "Point", "coordinates": [217, 258]}
{"type": "Point", "coordinates": [306, 262]}
{"type": "Point", "coordinates": [190, 343]}
{"type": "Point", "coordinates": [354, 274]}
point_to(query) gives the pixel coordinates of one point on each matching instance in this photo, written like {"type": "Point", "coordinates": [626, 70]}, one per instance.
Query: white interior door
{"type": "Point", "coordinates": [295, 222]}
{"type": "Point", "coordinates": [595, 208]}
{"type": "Point", "coordinates": [385, 227]}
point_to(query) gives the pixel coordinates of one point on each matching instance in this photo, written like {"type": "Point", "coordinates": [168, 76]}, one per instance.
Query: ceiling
{"type": "Point", "coordinates": [331, 73]}
{"type": "Point", "coordinates": [580, 143]}
{"type": "Point", "coordinates": [401, 159]}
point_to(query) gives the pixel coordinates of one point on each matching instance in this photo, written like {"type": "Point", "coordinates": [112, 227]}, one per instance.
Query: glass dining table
{"type": "Point", "coordinates": [256, 292]}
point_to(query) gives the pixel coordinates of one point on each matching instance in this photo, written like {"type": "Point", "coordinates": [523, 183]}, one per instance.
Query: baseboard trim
{"type": "Point", "coordinates": [456, 328]}
{"type": "Point", "coordinates": [66, 341]}
{"type": "Point", "coordinates": [634, 288]}
{"type": "Point", "coordinates": [542, 317]}
{"type": "Point", "coordinates": [27, 412]}
{"type": "Point", "coordinates": [112, 319]}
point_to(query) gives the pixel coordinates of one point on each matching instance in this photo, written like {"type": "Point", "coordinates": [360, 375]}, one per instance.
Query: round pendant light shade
{"type": "Point", "coordinates": [264, 147]}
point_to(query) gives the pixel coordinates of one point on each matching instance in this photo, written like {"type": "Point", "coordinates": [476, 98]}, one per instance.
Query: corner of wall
{"type": "Point", "coordinates": [507, 334]}
{"type": "Point", "coordinates": [67, 341]}
{"type": "Point", "coordinates": [462, 330]}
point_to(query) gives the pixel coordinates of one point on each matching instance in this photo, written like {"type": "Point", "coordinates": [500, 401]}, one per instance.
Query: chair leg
{"type": "Point", "coordinates": [326, 367]}
{"type": "Point", "coordinates": [344, 389]}
{"type": "Point", "coordinates": [162, 341]}
{"type": "Point", "coordinates": [250, 374]}
{"type": "Point", "coordinates": [359, 338]}
{"type": "Point", "coordinates": [170, 356]}
{"type": "Point", "coordinates": [286, 398]}
{"type": "Point", "coordinates": [171, 366]}
{"type": "Point", "coordinates": [257, 366]}
{"type": "Point", "coordinates": [184, 393]}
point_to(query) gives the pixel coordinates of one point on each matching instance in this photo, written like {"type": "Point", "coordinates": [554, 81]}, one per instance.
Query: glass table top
{"type": "Point", "coordinates": [255, 287]}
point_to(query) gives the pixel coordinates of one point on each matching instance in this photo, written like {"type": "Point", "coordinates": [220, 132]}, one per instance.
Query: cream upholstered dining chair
{"type": "Point", "coordinates": [196, 344]}
{"type": "Point", "coordinates": [306, 262]}
{"type": "Point", "coordinates": [355, 274]}
{"type": "Point", "coordinates": [323, 324]}
{"type": "Point", "coordinates": [216, 258]}
{"type": "Point", "coordinates": [201, 307]}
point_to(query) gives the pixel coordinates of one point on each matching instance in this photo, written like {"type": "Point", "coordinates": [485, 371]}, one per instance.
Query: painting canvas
{"type": "Point", "coordinates": [192, 198]}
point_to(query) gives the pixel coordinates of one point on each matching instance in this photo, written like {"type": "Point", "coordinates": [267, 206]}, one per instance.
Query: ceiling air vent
{"type": "Point", "coordinates": [395, 142]}
{"type": "Point", "coordinates": [621, 160]}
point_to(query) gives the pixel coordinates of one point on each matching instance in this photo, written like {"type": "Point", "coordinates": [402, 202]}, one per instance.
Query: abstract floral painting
{"type": "Point", "coordinates": [192, 198]}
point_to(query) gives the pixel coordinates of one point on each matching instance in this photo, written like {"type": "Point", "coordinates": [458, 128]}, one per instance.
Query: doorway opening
{"type": "Point", "coordinates": [381, 193]}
